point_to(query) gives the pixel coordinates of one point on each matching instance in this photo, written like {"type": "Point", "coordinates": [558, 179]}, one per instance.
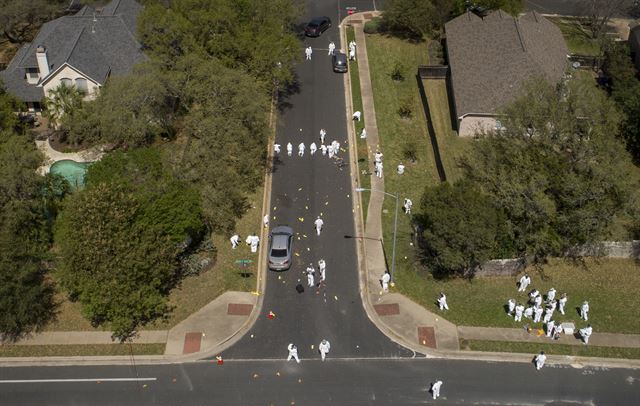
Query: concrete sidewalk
{"type": "Point", "coordinates": [403, 320]}
{"type": "Point", "coordinates": [399, 317]}
{"type": "Point", "coordinates": [204, 331]}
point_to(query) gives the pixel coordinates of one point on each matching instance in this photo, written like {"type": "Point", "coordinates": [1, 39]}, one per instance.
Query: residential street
{"type": "Point", "coordinates": [364, 367]}
{"type": "Point", "coordinates": [304, 188]}
{"type": "Point", "coordinates": [343, 382]}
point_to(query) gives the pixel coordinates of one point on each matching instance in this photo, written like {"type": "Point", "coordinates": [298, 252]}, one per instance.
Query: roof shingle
{"type": "Point", "coordinates": [491, 58]}
{"type": "Point", "coordinates": [95, 43]}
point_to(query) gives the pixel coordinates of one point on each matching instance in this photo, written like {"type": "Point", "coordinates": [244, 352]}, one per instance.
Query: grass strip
{"type": "Point", "coordinates": [361, 147]}
{"type": "Point", "coordinates": [554, 349]}
{"type": "Point", "coordinates": [80, 350]}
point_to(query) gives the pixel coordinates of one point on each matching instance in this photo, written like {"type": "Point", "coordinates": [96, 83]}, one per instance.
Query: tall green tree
{"type": "Point", "coordinates": [625, 90]}
{"type": "Point", "coordinates": [513, 7]}
{"type": "Point", "coordinates": [226, 131]}
{"type": "Point", "coordinates": [461, 229]}
{"type": "Point", "coordinates": [413, 19]}
{"type": "Point", "coordinates": [26, 294]}
{"type": "Point", "coordinates": [254, 35]}
{"type": "Point", "coordinates": [556, 170]}
{"type": "Point", "coordinates": [130, 111]}
{"type": "Point", "coordinates": [120, 239]}
{"type": "Point", "coordinates": [8, 106]}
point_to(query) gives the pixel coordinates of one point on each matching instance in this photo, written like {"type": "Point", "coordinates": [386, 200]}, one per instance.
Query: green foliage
{"type": "Point", "coordinates": [121, 236]}
{"type": "Point", "coordinates": [410, 151]}
{"type": "Point", "coordinates": [226, 129]}
{"type": "Point", "coordinates": [406, 108]}
{"type": "Point", "coordinates": [461, 228]}
{"type": "Point", "coordinates": [26, 296]}
{"type": "Point", "coordinates": [165, 203]}
{"type": "Point", "coordinates": [120, 271]}
{"type": "Point", "coordinates": [62, 101]}
{"type": "Point", "coordinates": [414, 19]}
{"type": "Point", "coordinates": [555, 170]}
{"type": "Point", "coordinates": [20, 20]}
{"type": "Point", "coordinates": [625, 90]}
{"type": "Point", "coordinates": [513, 7]}
{"type": "Point", "coordinates": [131, 110]}
{"type": "Point", "coordinates": [8, 106]}
{"type": "Point", "coordinates": [253, 35]}
{"type": "Point", "coordinates": [398, 72]}
{"type": "Point", "coordinates": [373, 26]}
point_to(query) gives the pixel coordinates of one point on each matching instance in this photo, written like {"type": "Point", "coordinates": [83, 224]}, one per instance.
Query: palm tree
{"type": "Point", "coordinates": [60, 101]}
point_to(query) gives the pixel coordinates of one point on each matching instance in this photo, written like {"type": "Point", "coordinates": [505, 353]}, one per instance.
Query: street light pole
{"type": "Point", "coordinates": [395, 225]}
{"type": "Point", "coordinates": [395, 229]}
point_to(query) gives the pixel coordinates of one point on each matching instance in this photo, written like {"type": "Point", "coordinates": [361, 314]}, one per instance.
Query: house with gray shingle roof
{"type": "Point", "coordinates": [491, 59]}
{"type": "Point", "coordinates": [82, 50]}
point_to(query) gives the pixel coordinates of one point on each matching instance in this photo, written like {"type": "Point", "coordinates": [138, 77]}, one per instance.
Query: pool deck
{"type": "Point", "coordinates": [52, 156]}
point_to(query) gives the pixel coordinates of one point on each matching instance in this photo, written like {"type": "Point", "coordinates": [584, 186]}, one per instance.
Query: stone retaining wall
{"type": "Point", "coordinates": [607, 249]}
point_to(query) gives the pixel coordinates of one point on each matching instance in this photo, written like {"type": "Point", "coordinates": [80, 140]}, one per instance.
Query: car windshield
{"type": "Point", "coordinates": [278, 253]}
{"type": "Point", "coordinates": [313, 24]}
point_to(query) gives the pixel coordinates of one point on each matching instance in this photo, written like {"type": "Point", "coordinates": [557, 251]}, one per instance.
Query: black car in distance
{"type": "Point", "coordinates": [317, 26]}
{"type": "Point", "coordinates": [339, 62]}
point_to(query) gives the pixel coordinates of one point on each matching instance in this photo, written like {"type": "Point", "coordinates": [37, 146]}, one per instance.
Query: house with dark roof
{"type": "Point", "coordinates": [634, 44]}
{"type": "Point", "coordinates": [82, 50]}
{"type": "Point", "coordinates": [492, 57]}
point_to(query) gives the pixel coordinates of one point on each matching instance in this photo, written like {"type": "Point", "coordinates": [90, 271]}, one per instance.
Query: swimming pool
{"type": "Point", "coordinates": [72, 171]}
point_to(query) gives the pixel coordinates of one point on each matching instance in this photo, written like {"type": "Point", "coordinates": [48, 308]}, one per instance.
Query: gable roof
{"type": "Point", "coordinates": [491, 58]}
{"type": "Point", "coordinates": [97, 44]}
{"type": "Point", "coordinates": [13, 79]}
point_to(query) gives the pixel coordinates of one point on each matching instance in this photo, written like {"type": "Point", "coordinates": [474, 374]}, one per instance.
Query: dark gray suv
{"type": "Point", "coordinates": [339, 61]}
{"type": "Point", "coordinates": [280, 241]}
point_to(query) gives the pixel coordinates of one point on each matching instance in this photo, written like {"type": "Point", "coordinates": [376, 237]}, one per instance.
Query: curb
{"type": "Point", "coordinates": [198, 356]}
{"type": "Point", "coordinates": [359, 222]}
{"type": "Point", "coordinates": [573, 361]}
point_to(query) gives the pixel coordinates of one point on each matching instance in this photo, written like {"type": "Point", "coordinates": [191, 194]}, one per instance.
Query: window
{"type": "Point", "coordinates": [66, 82]}
{"type": "Point", "coordinates": [81, 84]}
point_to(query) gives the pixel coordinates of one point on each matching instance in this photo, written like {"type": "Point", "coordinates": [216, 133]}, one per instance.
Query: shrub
{"type": "Point", "coordinates": [410, 151]}
{"type": "Point", "coordinates": [406, 109]}
{"type": "Point", "coordinates": [373, 26]}
{"type": "Point", "coordinates": [398, 72]}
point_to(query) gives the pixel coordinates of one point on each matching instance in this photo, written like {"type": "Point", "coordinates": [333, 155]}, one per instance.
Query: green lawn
{"type": "Point", "coordinates": [578, 39]}
{"type": "Point", "coordinates": [356, 100]}
{"type": "Point", "coordinates": [554, 349]}
{"type": "Point", "coordinates": [397, 134]}
{"type": "Point", "coordinates": [194, 292]}
{"type": "Point", "coordinates": [80, 350]}
{"type": "Point", "coordinates": [478, 302]}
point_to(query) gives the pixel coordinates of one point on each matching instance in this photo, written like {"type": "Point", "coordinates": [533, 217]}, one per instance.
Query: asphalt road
{"type": "Point", "coordinates": [303, 189]}
{"type": "Point", "coordinates": [351, 375]}
{"type": "Point", "coordinates": [333, 382]}
{"type": "Point", "coordinates": [572, 7]}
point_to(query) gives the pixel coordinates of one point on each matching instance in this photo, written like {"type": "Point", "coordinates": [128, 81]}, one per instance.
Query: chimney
{"type": "Point", "coordinates": [43, 62]}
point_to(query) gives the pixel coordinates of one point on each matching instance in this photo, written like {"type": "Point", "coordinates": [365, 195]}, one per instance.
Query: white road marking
{"type": "Point", "coordinates": [77, 380]}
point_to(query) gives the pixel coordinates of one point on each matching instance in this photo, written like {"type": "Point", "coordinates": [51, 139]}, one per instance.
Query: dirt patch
{"type": "Point", "coordinates": [58, 142]}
